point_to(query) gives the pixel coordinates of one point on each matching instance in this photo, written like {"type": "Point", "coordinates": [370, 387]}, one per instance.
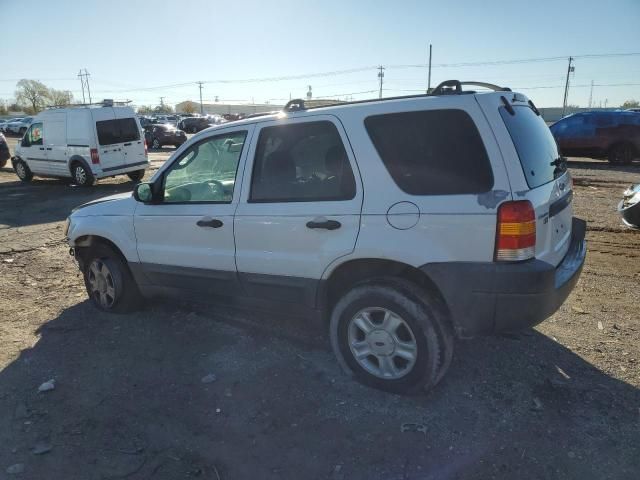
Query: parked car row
{"type": "Point", "coordinates": [161, 134]}
{"type": "Point", "coordinates": [16, 126]}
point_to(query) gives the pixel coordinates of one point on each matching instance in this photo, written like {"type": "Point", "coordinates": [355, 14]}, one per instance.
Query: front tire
{"type": "Point", "coordinates": [23, 171]}
{"type": "Point", "coordinates": [390, 335]}
{"type": "Point", "coordinates": [136, 176]}
{"type": "Point", "coordinates": [82, 176]}
{"type": "Point", "coordinates": [156, 144]}
{"type": "Point", "coordinates": [109, 283]}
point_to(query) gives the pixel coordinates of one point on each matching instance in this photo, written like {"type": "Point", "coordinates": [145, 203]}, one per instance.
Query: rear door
{"type": "Point", "coordinates": [132, 140]}
{"type": "Point", "coordinates": [299, 209]}
{"type": "Point", "coordinates": [531, 157]}
{"type": "Point", "coordinates": [109, 140]}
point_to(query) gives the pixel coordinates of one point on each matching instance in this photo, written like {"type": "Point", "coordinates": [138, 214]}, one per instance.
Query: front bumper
{"type": "Point", "coordinates": [493, 297]}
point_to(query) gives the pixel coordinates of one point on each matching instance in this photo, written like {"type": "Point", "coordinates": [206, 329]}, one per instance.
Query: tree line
{"type": "Point", "coordinates": [32, 96]}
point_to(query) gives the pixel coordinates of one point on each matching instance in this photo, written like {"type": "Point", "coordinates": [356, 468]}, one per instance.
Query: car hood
{"type": "Point", "coordinates": [119, 204]}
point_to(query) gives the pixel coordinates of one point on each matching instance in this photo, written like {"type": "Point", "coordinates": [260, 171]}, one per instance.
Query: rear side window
{"type": "Point", "coordinates": [536, 147]}
{"type": "Point", "coordinates": [301, 162]}
{"type": "Point", "coordinates": [120, 130]}
{"type": "Point", "coordinates": [432, 152]}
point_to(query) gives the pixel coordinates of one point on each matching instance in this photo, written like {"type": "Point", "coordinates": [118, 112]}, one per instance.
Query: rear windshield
{"type": "Point", "coordinates": [120, 130]}
{"type": "Point", "coordinates": [534, 143]}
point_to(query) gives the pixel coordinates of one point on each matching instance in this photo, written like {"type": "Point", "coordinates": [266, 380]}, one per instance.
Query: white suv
{"type": "Point", "coordinates": [404, 222]}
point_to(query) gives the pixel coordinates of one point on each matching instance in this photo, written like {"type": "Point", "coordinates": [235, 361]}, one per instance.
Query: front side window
{"type": "Point", "coordinates": [432, 152]}
{"type": "Point", "coordinates": [206, 172]}
{"type": "Point", "coordinates": [301, 162]}
{"type": "Point", "coordinates": [34, 134]}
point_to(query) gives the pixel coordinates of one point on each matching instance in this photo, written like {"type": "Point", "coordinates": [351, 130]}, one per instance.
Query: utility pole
{"type": "Point", "coordinates": [162, 103]}
{"type": "Point", "coordinates": [591, 94]}
{"type": "Point", "coordinates": [429, 75]}
{"type": "Point", "coordinates": [566, 86]}
{"type": "Point", "coordinates": [380, 76]}
{"type": "Point", "coordinates": [201, 107]}
{"type": "Point", "coordinates": [84, 82]}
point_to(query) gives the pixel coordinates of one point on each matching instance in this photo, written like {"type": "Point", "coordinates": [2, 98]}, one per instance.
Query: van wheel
{"type": "Point", "coordinates": [390, 335]}
{"type": "Point", "coordinates": [156, 144]}
{"type": "Point", "coordinates": [81, 175]}
{"type": "Point", "coordinates": [22, 171]}
{"type": "Point", "coordinates": [3, 163]}
{"type": "Point", "coordinates": [136, 176]}
{"type": "Point", "coordinates": [109, 282]}
{"type": "Point", "coordinates": [620, 154]}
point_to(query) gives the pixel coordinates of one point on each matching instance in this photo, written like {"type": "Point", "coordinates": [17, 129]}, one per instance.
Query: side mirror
{"type": "Point", "coordinates": [143, 192]}
{"type": "Point", "coordinates": [25, 141]}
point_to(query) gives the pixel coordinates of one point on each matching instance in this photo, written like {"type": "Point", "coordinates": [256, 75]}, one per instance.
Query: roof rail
{"type": "Point", "coordinates": [294, 105]}
{"type": "Point", "coordinates": [454, 87]}
{"type": "Point", "coordinates": [107, 102]}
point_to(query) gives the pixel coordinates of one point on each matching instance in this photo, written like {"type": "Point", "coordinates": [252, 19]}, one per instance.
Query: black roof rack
{"type": "Point", "coordinates": [454, 87]}
{"type": "Point", "coordinates": [448, 87]}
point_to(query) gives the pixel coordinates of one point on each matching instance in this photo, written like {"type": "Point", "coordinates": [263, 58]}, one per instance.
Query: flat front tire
{"type": "Point", "coordinates": [109, 283]}
{"type": "Point", "coordinates": [390, 335]}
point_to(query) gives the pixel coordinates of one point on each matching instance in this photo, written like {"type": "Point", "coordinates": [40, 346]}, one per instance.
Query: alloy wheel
{"type": "Point", "coordinates": [101, 284]}
{"type": "Point", "coordinates": [382, 343]}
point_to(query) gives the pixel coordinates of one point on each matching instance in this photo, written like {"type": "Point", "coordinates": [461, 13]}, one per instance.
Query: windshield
{"type": "Point", "coordinates": [536, 147]}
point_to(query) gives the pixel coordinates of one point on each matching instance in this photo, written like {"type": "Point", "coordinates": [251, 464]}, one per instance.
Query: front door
{"type": "Point", "coordinates": [33, 150]}
{"type": "Point", "coordinates": [186, 240]}
{"type": "Point", "coordinates": [300, 207]}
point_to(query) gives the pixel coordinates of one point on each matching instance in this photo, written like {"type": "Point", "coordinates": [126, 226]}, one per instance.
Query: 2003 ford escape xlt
{"type": "Point", "coordinates": [405, 222]}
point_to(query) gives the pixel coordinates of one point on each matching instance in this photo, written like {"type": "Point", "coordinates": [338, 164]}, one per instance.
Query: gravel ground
{"type": "Point", "coordinates": [558, 401]}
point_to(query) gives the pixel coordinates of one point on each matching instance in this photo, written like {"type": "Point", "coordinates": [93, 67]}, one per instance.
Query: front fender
{"type": "Point", "coordinates": [118, 229]}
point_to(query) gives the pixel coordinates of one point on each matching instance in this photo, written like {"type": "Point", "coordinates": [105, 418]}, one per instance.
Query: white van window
{"type": "Point", "coordinates": [34, 135]}
{"type": "Point", "coordinates": [120, 130]}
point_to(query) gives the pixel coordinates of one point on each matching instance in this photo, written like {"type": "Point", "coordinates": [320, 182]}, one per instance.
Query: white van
{"type": "Point", "coordinates": [84, 143]}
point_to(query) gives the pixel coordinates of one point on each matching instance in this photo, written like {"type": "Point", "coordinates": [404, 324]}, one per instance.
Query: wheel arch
{"type": "Point", "coordinates": [85, 242]}
{"type": "Point", "coordinates": [77, 159]}
{"type": "Point", "coordinates": [359, 270]}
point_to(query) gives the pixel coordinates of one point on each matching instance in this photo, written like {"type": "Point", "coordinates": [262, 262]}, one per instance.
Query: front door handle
{"type": "Point", "coordinates": [41, 148]}
{"type": "Point", "coordinates": [326, 224]}
{"type": "Point", "coordinates": [209, 222]}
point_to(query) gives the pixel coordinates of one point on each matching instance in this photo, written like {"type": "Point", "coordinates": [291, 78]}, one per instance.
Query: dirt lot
{"type": "Point", "coordinates": [560, 401]}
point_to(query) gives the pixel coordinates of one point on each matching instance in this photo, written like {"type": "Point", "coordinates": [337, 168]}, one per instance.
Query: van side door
{"type": "Point", "coordinates": [56, 144]}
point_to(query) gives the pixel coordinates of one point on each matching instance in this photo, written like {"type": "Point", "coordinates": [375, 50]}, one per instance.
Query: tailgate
{"type": "Point", "coordinates": [549, 183]}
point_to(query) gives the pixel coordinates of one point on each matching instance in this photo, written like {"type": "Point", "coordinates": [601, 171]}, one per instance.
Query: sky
{"type": "Point", "coordinates": [141, 51]}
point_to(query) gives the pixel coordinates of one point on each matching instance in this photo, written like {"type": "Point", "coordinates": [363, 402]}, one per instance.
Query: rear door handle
{"type": "Point", "coordinates": [49, 148]}
{"type": "Point", "coordinates": [326, 224]}
{"type": "Point", "coordinates": [128, 144]}
{"type": "Point", "coordinates": [209, 222]}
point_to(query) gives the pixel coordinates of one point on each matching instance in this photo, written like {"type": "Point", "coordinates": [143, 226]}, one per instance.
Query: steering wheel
{"type": "Point", "coordinates": [216, 187]}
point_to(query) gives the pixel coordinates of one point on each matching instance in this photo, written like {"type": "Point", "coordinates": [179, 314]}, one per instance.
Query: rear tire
{"type": "Point", "coordinates": [23, 171]}
{"type": "Point", "coordinates": [108, 280]}
{"type": "Point", "coordinates": [81, 175]}
{"type": "Point", "coordinates": [620, 154]}
{"type": "Point", "coordinates": [136, 176]}
{"type": "Point", "coordinates": [389, 334]}
{"type": "Point", "coordinates": [3, 163]}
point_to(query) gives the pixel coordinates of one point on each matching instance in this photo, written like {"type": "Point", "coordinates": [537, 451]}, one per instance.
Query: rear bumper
{"type": "Point", "coordinates": [493, 297]}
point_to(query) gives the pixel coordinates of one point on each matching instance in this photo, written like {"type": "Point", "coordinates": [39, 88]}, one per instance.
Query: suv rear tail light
{"type": "Point", "coordinates": [95, 158]}
{"type": "Point", "coordinates": [146, 149]}
{"type": "Point", "coordinates": [515, 232]}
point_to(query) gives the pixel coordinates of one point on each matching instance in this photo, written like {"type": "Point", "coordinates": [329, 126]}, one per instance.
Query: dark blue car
{"type": "Point", "coordinates": [614, 135]}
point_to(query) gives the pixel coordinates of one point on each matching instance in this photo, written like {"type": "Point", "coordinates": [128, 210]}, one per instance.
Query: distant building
{"type": "Point", "coordinates": [222, 108]}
